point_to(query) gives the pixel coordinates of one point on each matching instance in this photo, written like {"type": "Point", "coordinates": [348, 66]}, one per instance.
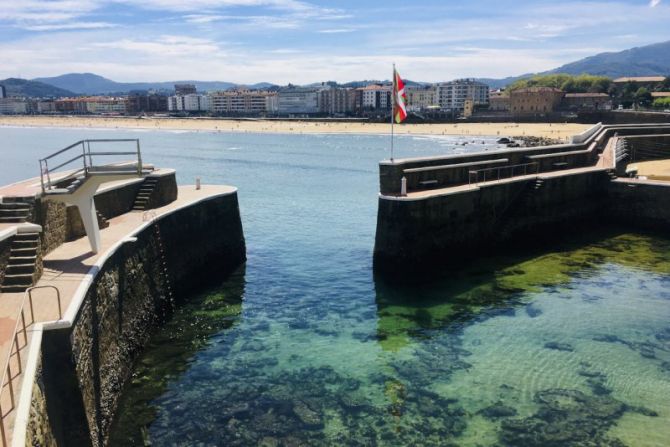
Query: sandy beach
{"type": "Point", "coordinates": [546, 130]}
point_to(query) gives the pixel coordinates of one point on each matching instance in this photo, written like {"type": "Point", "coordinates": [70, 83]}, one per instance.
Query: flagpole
{"type": "Point", "coordinates": [392, 108]}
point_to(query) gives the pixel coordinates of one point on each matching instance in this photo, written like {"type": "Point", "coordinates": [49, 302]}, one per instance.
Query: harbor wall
{"type": "Point", "coordinates": [86, 365]}
{"type": "Point", "coordinates": [450, 229]}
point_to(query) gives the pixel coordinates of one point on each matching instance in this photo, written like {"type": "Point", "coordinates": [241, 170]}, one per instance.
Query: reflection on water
{"type": "Point", "coordinates": [566, 348]}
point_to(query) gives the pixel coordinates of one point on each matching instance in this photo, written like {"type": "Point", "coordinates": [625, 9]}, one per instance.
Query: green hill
{"type": "Point", "coordinates": [32, 89]}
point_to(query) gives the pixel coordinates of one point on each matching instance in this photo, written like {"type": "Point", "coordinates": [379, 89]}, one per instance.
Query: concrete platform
{"type": "Point", "coordinates": [71, 268]}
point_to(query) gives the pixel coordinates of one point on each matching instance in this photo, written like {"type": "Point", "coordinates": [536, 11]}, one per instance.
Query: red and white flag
{"type": "Point", "coordinates": [399, 98]}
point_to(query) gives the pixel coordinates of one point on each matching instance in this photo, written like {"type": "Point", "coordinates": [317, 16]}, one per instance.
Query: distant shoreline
{"type": "Point", "coordinates": [546, 130]}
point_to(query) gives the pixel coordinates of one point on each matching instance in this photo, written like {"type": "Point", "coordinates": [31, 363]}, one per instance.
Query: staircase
{"type": "Point", "coordinates": [15, 212]}
{"type": "Point", "coordinates": [144, 194]}
{"type": "Point", "coordinates": [20, 271]}
{"type": "Point", "coordinates": [539, 183]}
{"type": "Point", "coordinates": [612, 174]}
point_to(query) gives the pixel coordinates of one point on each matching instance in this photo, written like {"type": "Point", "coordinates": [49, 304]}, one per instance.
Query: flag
{"type": "Point", "coordinates": [399, 98]}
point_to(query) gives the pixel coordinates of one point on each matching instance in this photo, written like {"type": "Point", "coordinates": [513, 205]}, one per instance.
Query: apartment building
{"type": "Point", "coordinates": [188, 103]}
{"type": "Point", "coordinates": [242, 101]}
{"type": "Point", "coordinates": [3, 92]}
{"type": "Point", "coordinates": [298, 100]}
{"type": "Point", "coordinates": [420, 98]}
{"type": "Point", "coordinates": [337, 101]}
{"type": "Point", "coordinates": [14, 106]}
{"type": "Point", "coordinates": [374, 97]}
{"type": "Point", "coordinates": [184, 89]}
{"type": "Point", "coordinates": [451, 96]}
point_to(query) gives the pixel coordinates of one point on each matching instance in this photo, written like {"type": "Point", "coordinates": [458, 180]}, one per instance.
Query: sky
{"type": "Point", "coordinates": [282, 41]}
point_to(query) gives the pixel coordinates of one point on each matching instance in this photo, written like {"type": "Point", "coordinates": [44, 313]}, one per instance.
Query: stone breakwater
{"type": "Point", "coordinates": [83, 368]}
{"type": "Point", "coordinates": [459, 208]}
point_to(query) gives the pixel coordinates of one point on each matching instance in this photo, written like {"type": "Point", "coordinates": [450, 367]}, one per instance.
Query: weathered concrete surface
{"type": "Point", "coordinates": [643, 205]}
{"type": "Point", "coordinates": [135, 291]}
{"type": "Point", "coordinates": [448, 230]}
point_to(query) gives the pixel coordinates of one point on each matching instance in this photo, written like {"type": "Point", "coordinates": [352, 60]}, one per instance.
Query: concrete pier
{"type": "Point", "coordinates": [95, 309]}
{"type": "Point", "coordinates": [458, 208]}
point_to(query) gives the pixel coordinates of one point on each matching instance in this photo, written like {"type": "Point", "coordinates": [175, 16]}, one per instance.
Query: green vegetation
{"type": "Point", "coordinates": [583, 83]}
{"type": "Point", "coordinates": [662, 103]}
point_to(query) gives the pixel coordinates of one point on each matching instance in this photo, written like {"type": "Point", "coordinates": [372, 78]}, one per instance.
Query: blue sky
{"type": "Point", "coordinates": [281, 41]}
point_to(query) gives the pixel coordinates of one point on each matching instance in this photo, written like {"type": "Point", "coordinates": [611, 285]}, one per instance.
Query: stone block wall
{"type": "Point", "coordinates": [52, 216]}
{"type": "Point", "coordinates": [165, 192]}
{"type": "Point", "coordinates": [129, 298]}
{"type": "Point", "coordinates": [39, 426]}
{"type": "Point", "coordinates": [5, 247]}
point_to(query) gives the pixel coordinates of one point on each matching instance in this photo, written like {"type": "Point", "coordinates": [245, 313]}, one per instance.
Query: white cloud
{"type": "Point", "coordinates": [167, 45]}
{"type": "Point", "coordinates": [337, 31]}
{"type": "Point", "coordinates": [70, 26]}
{"type": "Point", "coordinates": [654, 3]}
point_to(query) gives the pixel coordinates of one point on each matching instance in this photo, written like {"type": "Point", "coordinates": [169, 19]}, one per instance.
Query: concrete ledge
{"type": "Point", "coordinates": [71, 314]}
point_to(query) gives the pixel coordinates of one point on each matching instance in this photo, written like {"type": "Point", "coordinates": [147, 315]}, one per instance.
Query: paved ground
{"type": "Point", "coordinates": [65, 268]}
{"type": "Point", "coordinates": [653, 170]}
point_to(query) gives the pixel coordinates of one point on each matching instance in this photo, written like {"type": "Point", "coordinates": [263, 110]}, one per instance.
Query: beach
{"type": "Point", "coordinates": [546, 130]}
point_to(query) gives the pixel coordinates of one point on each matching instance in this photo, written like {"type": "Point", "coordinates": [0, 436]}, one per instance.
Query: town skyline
{"type": "Point", "coordinates": [288, 41]}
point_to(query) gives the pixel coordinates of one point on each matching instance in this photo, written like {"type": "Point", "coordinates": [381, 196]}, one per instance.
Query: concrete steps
{"type": "Point", "coordinates": [15, 212]}
{"type": "Point", "coordinates": [539, 183]}
{"type": "Point", "coordinates": [144, 194]}
{"type": "Point", "coordinates": [21, 267]}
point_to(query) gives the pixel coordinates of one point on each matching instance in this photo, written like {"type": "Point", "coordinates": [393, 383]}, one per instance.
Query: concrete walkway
{"type": "Point", "coordinates": [67, 268]}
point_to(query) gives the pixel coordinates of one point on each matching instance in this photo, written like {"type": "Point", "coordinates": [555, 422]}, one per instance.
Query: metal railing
{"type": "Point", "coordinates": [15, 350]}
{"type": "Point", "coordinates": [503, 172]}
{"type": "Point", "coordinates": [86, 156]}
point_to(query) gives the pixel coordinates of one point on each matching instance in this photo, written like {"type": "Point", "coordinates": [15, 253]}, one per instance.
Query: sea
{"type": "Point", "coordinates": [305, 345]}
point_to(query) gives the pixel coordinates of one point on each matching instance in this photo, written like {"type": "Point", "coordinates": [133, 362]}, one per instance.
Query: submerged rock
{"type": "Point", "coordinates": [565, 418]}
{"type": "Point", "coordinates": [497, 410]}
{"type": "Point", "coordinates": [559, 346]}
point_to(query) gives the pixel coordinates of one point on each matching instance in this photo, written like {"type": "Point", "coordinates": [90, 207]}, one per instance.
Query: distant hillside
{"type": "Point", "coordinates": [649, 60]}
{"type": "Point", "coordinates": [32, 89]}
{"type": "Point", "coordinates": [92, 84]}
{"type": "Point", "coordinates": [641, 61]}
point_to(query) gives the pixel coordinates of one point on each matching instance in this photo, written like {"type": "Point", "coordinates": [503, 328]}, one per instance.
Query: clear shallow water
{"type": "Point", "coordinates": [305, 347]}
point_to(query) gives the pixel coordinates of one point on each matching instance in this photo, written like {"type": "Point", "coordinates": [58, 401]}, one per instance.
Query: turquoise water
{"type": "Point", "coordinates": [305, 346]}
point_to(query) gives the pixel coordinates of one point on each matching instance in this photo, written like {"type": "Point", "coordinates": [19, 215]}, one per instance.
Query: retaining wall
{"type": "Point", "coordinates": [450, 229]}
{"type": "Point", "coordinates": [135, 291]}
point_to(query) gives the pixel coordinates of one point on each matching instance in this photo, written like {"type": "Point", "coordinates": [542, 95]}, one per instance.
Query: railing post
{"type": "Point", "coordinates": [46, 168]}
{"type": "Point", "coordinates": [41, 177]}
{"type": "Point", "coordinates": [25, 333]}
{"type": "Point", "coordinates": [83, 152]}
{"type": "Point", "coordinates": [9, 381]}
{"type": "Point", "coordinates": [139, 158]}
{"type": "Point", "coordinates": [18, 352]}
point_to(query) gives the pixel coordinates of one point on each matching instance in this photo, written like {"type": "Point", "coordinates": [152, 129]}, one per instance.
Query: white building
{"type": "Point", "coordinates": [242, 102]}
{"type": "Point", "coordinates": [451, 96]}
{"type": "Point", "coordinates": [188, 103]}
{"type": "Point", "coordinates": [375, 97]}
{"type": "Point", "coordinates": [297, 100]}
{"type": "Point", "coordinates": [104, 104]}
{"type": "Point", "coordinates": [421, 98]}
{"type": "Point", "coordinates": [13, 106]}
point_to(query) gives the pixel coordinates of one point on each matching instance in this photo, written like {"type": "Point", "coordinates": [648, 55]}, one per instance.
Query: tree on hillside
{"type": "Point", "coordinates": [643, 97]}
{"type": "Point", "coordinates": [666, 84]}
{"type": "Point", "coordinates": [583, 83]}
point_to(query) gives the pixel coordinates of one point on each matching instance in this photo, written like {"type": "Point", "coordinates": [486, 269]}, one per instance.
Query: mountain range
{"type": "Point", "coordinates": [640, 61]}
{"type": "Point", "coordinates": [649, 60]}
